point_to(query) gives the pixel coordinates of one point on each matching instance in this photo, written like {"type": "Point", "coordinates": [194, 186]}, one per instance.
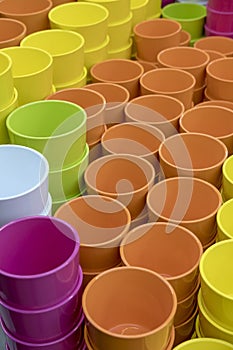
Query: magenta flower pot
{"type": "Point", "coordinates": [48, 323]}
{"type": "Point", "coordinates": [70, 341]}
{"type": "Point", "coordinates": [219, 21]}
{"type": "Point", "coordinates": [39, 261]}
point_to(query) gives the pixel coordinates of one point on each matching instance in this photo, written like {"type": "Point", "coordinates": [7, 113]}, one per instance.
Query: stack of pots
{"type": "Point", "coordinates": [212, 120]}
{"type": "Point", "coordinates": [116, 97]}
{"type": "Point", "coordinates": [176, 202]}
{"type": "Point", "coordinates": [190, 59]}
{"type": "Point", "coordinates": [124, 177]}
{"type": "Point", "coordinates": [172, 82]}
{"type": "Point", "coordinates": [190, 15]}
{"type": "Point", "coordinates": [33, 14]}
{"type": "Point", "coordinates": [146, 246]}
{"type": "Point", "coordinates": [94, 105]}
{"type": "Point", "coordinates": [224, 230]}
{"type": "Point", "coordinates": [41, 285]}
{"type": "Point", "coordinates": [67, 50]}
{"type": "Point", "coordinates": [215, 300]}
{"type": "Point", "coordinates": [124, 72]}
{"type": "Point", "coordinates": [88, 19]}
{"type": "Point", "coordinates": [26, 193]}
{"type": "Point", "coordinates": [102, 223]}
{"type": "Point", "coordinates": [143, 10]}
{"type": "Point", "coordinates": [154, 9]}
{"type": "Point", "coordinates": [32, 71]}
{"type": "Point", "coordinates": [227, 180]}
{"type": "Point", "coordinates": [154, 35]}
{"type": "Point", "coordinates": [8, 95]}
{"type": "Point", "coordinates": [124, 317]}
{"type": "Point", "coordinates": [57, 129]}
{"type": "Point", "coordinates": [140, 139]}
{"type": "Point", "coordinates": [219, 19]}
{"type": "Point", "coordinates": [219, 79]}
{"type": "Point", "coordinates": [217, 47]}
{"type": "Point", "coordinates": [119, 27]}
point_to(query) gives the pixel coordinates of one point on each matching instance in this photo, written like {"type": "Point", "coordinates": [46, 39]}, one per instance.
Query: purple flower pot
{"type": "Point", "coordinates": [72, 340]}
{"type": "Point", "coordinates": [45, 324]}
{"type": "Point", "coordinates": [39, 262]}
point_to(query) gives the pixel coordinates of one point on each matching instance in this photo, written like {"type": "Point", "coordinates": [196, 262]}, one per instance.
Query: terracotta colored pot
{"type": "Point", "coordinates": [146, 246]}
{"type": "Point", "coordinates": [185, 38]}
{"type": "Point", "coordinates": [177, 200]}
{"type": "Point", "coordinates": [95, 149]}
{"type": "Point", "coordinates": [116, 97]}
{"type": "Point", "coordinates": [220, 103]}
{"type": "Point", "coordinates": [142, 140]}
{"type": "Point", "coordinates": [131, 322]}
{"type": "Point", "coordinates": [169, 81]}
{"type": "Point", "coordinates": [141, 219]}
{"type": "Point", "coordinates": [102, 222]}
{"type": "Point", "coordinates": [121, 71]}
{"type": "Point", "coordinates": [88, 276]}
{"type": "Point", "coordinates": [89, 344]}
{"type": "Point", "coordinates": [214, 55]}
{"type": "Point", "coordinates": [125, 177]}
{"type": "Point", "coordinates": [185, 330]}
{"type": "Point", "coordinates": [161, 111]}
{"type": "Point", "coordinates": [34, 14]}
{"type": "Point", "coordinates": [209, 244]}
{"type": "Point", "coordinates": [187, 306]}
{"type": "Point", "coordinates": [189, 59]}
{"type": "Point", "coordinates": [193, 155]}
{"type": "Point", "coordinates": [219, 78]}
{"type": "Point", "coordinates": [198, 95]}
{"type": "Point", "coordinates": [217, 43]}
{"type": "Point", "coordinates": [211, 120]}
{"type": "Point", "coordinates": [155, 35]}
{"type": "Point", "coordinates": [146, 64]}
{"type": "Point", "coordinates": [207, 96]}
{"type": "Point", "coordinates": [94, 105]}
{"type": "Point", "coordinates": [11, 32]}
